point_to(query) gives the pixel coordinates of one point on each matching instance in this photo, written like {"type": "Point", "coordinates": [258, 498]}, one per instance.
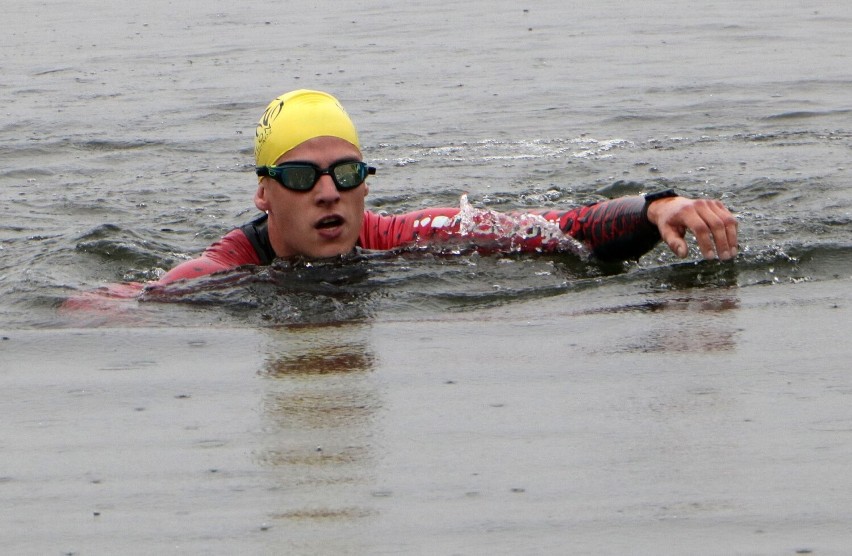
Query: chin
{"type": "Point", "coordinates": [332, 251]}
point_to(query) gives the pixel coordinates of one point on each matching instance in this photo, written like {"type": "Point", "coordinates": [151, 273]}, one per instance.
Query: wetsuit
{"type": "Point", "coordinates": [612, 230]}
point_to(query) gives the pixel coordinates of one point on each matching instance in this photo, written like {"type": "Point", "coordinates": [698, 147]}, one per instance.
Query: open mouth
{"type": "Point", "coordinates": [329, 222]}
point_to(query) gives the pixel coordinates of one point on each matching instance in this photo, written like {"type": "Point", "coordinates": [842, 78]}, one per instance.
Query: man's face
{"type": "Point", "coordinates": [322, 222]}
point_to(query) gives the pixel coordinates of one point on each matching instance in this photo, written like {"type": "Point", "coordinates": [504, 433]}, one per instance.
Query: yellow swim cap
{"type": "Point", "coordinates": [297, 116]}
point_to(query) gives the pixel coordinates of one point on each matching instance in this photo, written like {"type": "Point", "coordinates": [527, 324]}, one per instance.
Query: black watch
{"type": "Point", "coordinates": [657, 195]}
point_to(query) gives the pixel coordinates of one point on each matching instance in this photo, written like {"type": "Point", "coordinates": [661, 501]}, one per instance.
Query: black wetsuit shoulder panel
{"type": "Point", "coordinates": [258, 235]}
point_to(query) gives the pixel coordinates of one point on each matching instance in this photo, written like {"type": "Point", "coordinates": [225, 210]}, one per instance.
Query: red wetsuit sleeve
{"type": "Point", "coordinates": [613, 230]}
{"type": "Point", "coordinates": [382, 232]}
{"type": "Point", "coordinates": [233, 250]}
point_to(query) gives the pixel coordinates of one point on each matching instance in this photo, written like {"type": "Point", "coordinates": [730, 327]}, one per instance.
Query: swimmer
{"type": "Point", "coordinates": [312, 185]}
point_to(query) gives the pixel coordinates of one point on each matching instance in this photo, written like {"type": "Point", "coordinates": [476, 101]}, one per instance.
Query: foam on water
{"type": "Point", "coordinates": [511, 230]}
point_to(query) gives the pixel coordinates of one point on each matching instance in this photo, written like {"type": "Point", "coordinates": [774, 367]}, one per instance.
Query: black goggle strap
{"type": "Point", "coordinates": [363, 172]}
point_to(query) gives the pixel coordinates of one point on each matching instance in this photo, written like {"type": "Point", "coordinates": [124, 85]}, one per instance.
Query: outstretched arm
{"type": "Point", "coordinates": [614, 230]}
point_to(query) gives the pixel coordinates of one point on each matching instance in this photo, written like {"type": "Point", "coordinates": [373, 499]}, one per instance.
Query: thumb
{"type": "Point", "coordinates": [674, 239]}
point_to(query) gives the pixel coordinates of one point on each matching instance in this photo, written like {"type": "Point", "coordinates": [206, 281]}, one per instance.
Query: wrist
{"type": "Point", "coordinates": [652, 198]}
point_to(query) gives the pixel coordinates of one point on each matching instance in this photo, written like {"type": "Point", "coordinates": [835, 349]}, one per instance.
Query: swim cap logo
{"type": "Point", "coordinates": [264, 126]}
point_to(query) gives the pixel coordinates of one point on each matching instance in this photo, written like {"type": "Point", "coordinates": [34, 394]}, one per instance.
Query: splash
{"type": "Point", "coordinates": [514, 231]}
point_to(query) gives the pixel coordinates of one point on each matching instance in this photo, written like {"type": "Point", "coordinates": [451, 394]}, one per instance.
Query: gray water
{"type": "Point", "coordinates": [126, 136]}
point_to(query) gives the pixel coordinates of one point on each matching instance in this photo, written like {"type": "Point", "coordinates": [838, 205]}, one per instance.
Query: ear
{"type": "Point", "coordinates": [260, 198]}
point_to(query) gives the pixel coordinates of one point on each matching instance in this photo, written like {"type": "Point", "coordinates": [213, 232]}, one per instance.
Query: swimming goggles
{"type": "Point", "coordinates": [303, 176]}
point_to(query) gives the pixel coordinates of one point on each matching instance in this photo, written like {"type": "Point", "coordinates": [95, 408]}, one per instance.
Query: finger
{"type": "Point", "coordinates": [731, 225]}
{"type": "Point", "coordinates": [702, 221]}
{"type": "Point", "coordinates": [719, 220]}
{"type": "Point", "coordinates": [673, 236]}
{"type": "Point", "coordinates": [710, 225]}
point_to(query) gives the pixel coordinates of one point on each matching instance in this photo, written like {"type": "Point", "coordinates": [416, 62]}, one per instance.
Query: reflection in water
{"type": "Point", "coordinates": [703, 322]}
{"type": "Point", "coordinates": [685, 307]}
{"type": "Point", "coordinates": [319, 407]}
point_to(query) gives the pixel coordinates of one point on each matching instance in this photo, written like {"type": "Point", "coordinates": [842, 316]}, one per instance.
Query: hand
{"type": "Point", "coordinates": [713, 225]}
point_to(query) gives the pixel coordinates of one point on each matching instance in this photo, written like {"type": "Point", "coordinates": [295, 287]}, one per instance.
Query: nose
{"type": "Point", "coordinates": [325, 192]}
